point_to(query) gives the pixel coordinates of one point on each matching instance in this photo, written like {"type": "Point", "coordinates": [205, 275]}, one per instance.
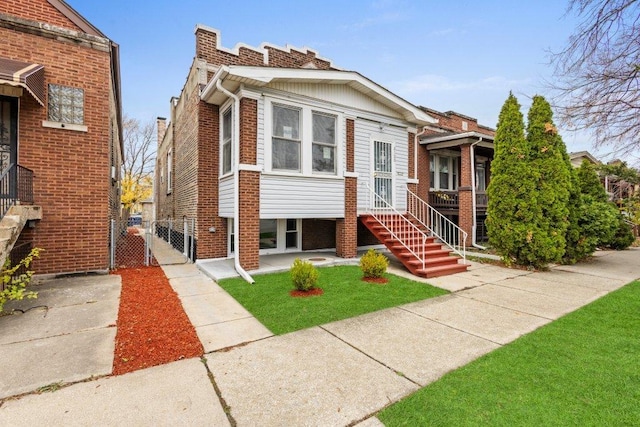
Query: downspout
{"type": "Point", "coordinates": [236, 183]}
{"type": "Point", "coordinates": [473, 195]}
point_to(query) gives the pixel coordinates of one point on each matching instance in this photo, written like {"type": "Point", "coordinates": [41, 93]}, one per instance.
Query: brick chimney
{"type": "Point", "coordinates": [161, 124]}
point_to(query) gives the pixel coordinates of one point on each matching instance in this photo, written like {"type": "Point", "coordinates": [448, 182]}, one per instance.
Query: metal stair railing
{"type": "Point", "coordinates": [438, 225]}
{"type": "Point", "coordinates": [401, 229]}
{"type": "Point", "coordinates": [16, 185]}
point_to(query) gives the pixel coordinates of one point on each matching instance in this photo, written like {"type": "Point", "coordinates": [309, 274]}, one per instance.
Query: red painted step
{"type": "Point", "coordinates": [438, 258]}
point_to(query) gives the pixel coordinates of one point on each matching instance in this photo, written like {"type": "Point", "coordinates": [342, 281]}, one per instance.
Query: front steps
{"type": "Point", "coordinates": [11, 226]}
{"type": "Point", "coordinates": [439, 261]}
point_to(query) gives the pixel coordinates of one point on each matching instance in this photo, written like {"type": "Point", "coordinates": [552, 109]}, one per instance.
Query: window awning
{"type": "Point", "coordinates": [23, 74]}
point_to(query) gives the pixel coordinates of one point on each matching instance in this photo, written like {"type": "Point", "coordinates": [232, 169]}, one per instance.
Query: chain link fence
{"type": "Point", "coordinates": [151, 243]}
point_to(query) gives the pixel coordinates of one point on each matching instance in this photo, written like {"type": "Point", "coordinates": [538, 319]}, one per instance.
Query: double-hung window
{"type": "Point", "coordinates": [324, 143]}
{"type": "Point", "coordinates": [286, 150]}
{"type": "Point", "coordinates": [227, 151]}
{"type": "Point", "coordinates": [443, 172]}
{"type": "Point", "coordinates": [65, 104]}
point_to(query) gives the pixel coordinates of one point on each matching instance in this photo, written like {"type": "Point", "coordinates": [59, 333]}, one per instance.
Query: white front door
{"type": "Point", "coordinates": [383, 173]}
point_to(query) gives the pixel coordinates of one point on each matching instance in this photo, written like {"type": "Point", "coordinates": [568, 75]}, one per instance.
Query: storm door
{"type": "Point", "coordinates": [8, 149]}
{"type": "Point", "coordinates": [383, 173]}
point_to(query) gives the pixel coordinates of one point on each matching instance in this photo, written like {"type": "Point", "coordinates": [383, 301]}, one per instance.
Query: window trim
{"type": "Point", "coordinates": [229, 110]}
{"type": "Point", "coordinates": [454, 178]}
{"type": "Point", "coordinates": [333, 146]}
{"type": "Point", "coordinates": [306, 138]}
{"type": "Point", "coordinates": [73, 104]}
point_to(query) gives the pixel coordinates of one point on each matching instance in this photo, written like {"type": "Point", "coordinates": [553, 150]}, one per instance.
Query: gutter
{"type": "Point", "coordinates": [473, 194]}
{"type": "Point", "coordinates": [236, 183]}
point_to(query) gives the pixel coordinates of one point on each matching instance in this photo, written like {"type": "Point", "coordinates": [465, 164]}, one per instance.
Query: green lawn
{"type": "Point", "coordinates": [581, 370]}
{"type": "Point", "coordinates": [345, 295]}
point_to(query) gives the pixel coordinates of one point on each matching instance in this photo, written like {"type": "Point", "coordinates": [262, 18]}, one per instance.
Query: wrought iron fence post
{"type": "Point", "coordinates": [192, 248]}
{"type": "Point", "coordinates": [185, 231]}
{"type": "Point", "coordinates": [112, 245]}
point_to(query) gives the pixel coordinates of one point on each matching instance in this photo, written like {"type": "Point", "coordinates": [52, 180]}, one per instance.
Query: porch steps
{"type": "Point", "coordinates": [439, 261]}
{"type": "Point", "coordinates": [11, 226]}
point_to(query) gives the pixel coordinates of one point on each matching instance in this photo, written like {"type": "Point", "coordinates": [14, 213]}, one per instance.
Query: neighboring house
{"type": "Point", "coordinates": [578, 157]}
{"type": "Point", "coordinates": [61, 135]}
{"type": "Point", "coordinates": [454, 170]}
{"type": "Point", "coordinates": [274, 149]}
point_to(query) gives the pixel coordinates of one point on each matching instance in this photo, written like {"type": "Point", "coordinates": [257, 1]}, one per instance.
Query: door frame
{"type": "Point", "coordinates": [385, 140]}
{"type": "Point", "coordinates": [14, 106]}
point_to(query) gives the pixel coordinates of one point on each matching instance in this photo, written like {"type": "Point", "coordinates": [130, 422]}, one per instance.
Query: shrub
{"type": "Point", "coordinates": [304, 275]}
{"type": "Point", "coordinates": [13, 288]}
{"type": "Point", "coordinates": [623, 237]}
{"type": "Point", "coordinates": [373, 264]}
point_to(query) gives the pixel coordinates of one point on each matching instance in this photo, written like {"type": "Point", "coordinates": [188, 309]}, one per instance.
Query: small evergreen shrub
{"type": "Point", "coordinates": [623, 237]}
{"type": "Point", "coordinates": [373, 264]}
{"type": "Point", "coordinates": [304, 275]}
{"type": "Point", "coordinates": [13, 288]}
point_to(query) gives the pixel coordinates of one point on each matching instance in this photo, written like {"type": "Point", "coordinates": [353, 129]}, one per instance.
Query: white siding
{"type": "Point", "coordinates": [225, 197]}
{"type": "Point", "coordinates": [365, 132]}
{"type": "Point", "coordinates": [337, 93]}
{"type": "Point", "coordinates": [301, 197]}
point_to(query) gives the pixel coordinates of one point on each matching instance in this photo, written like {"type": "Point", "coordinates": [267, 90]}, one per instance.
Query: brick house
{"type": "Point", "coordinates": [454, 169]}
{"type": "Point", "coordinates": [275, 149]}
{"type": "Point", "coordinates": [60, 111]}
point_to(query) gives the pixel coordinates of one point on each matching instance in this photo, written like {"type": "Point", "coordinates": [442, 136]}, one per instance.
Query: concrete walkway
{"type": "Point", "coordinates": [335, 374]}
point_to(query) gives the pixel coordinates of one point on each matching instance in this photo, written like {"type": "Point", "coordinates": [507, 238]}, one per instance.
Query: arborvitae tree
{"type": "Point", "coordinates": [511, 192]}
{"type": "Point", "coordinates": [552, 181]}
{"type": "Point", "coordinates": [590, 182]}
{"type": "Point", "coordinates": [578, 246]}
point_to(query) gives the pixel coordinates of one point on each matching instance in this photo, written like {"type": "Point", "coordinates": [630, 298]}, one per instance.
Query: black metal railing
{"type": "Point", "coordinates": [16, 185]}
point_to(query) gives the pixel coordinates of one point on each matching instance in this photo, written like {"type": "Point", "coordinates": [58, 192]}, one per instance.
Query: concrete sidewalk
{"type": "Point", "coordinates": [335, 374]}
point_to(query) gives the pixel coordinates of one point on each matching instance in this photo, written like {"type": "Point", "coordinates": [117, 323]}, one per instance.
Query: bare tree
{"type": "Point", "coordinates": [597, 83]}
{"type": "Point", "coordinates": [139, 160]}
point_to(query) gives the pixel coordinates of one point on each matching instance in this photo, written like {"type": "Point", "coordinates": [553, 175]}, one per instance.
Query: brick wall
{"type": "Point", "coordinates": [318, 234]}
{"type": "Point", "coordinates": [210, 245]}
{"type": "Point", "coordinates": [72, 169]}
{"type": "Point", "coordinates": [249, 186]}
{"type": "Point", "coordinates": [208, 48]}
{"type": "Point", "coordinates": [453, 122]}
{"type": "Point", "coordinates": [37, 10]}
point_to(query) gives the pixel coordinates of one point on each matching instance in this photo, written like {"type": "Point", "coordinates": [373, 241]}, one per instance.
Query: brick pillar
{"type": "Point", "coordinates": [347, 227]}
{"type": "Point", "coordinates": [423, 173]}
{"type": "Point", "coordinates": [465, 209]}
{"type": "Point", "coordinates": [249, 220]}
{"type": "Point", "coordinates": [411, 142]}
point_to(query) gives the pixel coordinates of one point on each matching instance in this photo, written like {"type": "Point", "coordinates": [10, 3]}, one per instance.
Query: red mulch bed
{"type": "Point", "coordinates": [378, 280]}
{"type": "Point", "coordinates": [153, 328]}
{"type": "Point", "coordinates": [309, 293]}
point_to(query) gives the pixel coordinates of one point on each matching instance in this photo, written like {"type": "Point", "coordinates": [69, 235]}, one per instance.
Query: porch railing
{"type": "Point", "coordinates": [16, 186]}
{"type": "Point", "coordinates": [450, 200]}
{"type": "Point", "coordinates": [437, 224]}
{"type": "Point", "coordinates": [405, 232]}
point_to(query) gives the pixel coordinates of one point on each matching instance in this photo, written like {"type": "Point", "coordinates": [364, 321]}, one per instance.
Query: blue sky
{"type": "Point", "coordinates": [448, 55]}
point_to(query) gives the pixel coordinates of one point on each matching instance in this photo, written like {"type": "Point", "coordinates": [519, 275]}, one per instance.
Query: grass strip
{"type": "Point", "coordinates": [345, 295]}
{"type": "Point", "coordinates": [583, 369]}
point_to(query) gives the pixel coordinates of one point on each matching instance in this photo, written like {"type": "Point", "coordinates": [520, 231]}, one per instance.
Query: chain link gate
{"type": "Point", "coordinates": [151, 243]}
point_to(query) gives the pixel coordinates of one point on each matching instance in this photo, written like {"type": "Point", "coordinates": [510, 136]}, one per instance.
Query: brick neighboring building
{"type": "Point", "coordinates": [272, 149]}
{"type": "Point", "coordinates": [454, 167]}
{"type": "Point", "coordinates": [61, 109]}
